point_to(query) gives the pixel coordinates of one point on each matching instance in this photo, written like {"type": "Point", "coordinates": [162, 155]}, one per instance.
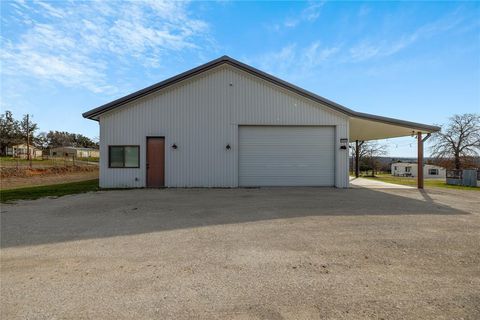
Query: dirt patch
{"type": "Point", "coordinates": [26, 177]}
{"type": "Point", "coordinates": [29, 172]}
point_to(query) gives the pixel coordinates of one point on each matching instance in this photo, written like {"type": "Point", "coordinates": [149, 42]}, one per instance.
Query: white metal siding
{"type": "Point", "coordinates": [201, 115]}
{"type": "Point", "coordinates": [286, 156]}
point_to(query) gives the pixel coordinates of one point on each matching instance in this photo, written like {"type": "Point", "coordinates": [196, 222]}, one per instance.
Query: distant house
{"type": "Point", "coordinates": [74, 152]}
{"type": "Point", "coordinates": [409, 169]}
{"type": "Point", "coordinates": [20, 151]}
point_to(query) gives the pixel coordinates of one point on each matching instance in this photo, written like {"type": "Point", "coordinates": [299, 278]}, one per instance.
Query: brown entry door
{"type": "Point", "coordinates": [155, 162]}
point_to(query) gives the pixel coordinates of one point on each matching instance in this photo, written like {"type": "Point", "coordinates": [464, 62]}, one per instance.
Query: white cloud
{"type": "Point", "coordinates": [315, 54]}
{"type": "Point", "coordinates": [309, 14]}
{"type": "Point", "coordinates": [293, 61]}
{"type": "Point", "coordinates": [368, 49]}
{"type": "Point", "coordinates": [76, 44]}
{"type": "Point", "coordinates": [277, 61]}
{"type": "Point", "coordinates": [290, 23]}
{"type": "Point", "coordinates": [312, 12]}
{"type": "Point", "coordinates": [296, 62]}
{"type": "Point", "coordinates": [50, 10]}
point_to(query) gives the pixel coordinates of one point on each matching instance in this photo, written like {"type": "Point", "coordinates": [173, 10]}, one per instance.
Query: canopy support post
{"type": "Point", "coordinates": [358, 144]}
{"type": "Point", "coordinates": [420, 161]}
{"type": "Point", "coordinates": [356, 159]}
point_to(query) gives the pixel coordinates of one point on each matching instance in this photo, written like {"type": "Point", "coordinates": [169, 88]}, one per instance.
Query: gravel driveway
{"type": "Point", "coordinates": [300, 253]}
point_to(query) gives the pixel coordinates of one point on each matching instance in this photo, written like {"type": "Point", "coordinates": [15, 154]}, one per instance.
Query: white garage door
{"type": "Point", "coordinates": [286, 156]}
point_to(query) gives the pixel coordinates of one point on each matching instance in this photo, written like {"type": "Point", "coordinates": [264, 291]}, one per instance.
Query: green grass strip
{"type": "Point", "coordinates": [428, 183]}
{"type": "Point", "coordinates": [54, 190]}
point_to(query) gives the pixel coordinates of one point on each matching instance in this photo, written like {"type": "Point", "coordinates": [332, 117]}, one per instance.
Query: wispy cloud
{"type": "Point", "coordinates": [369, 48]}
{"type": "Point", "coordinates": [309, 14]}
{"type": "Point", "coordinates": [315, 54]}
{"type": "Point", "coordinates": [75, 44]}
{"type": "Point", "coordinates": [297, 62]}
{"type": "Point", "coordinates": [50, 10]}
{"type": "Point", "coordinates": [303, 60]}
{"type": "Point", "coordinates": [312, 12]}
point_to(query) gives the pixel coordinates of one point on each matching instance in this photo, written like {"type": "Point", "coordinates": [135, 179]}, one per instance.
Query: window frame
{"type": "Point", "coordinates": [408, 169]}
{"type": "Point", "coordinates": [437, 172]}
{"type": "Point", "coordinates": [123, 146]}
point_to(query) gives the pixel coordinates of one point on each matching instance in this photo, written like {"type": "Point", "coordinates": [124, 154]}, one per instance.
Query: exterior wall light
{"type": "Point", "coordinates": [174, 146]}
{"type": "Point", "coordinates": [343, 143]}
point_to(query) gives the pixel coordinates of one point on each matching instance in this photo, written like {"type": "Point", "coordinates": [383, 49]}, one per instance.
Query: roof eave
{"type": "Point", "coordinates": [397, 122]}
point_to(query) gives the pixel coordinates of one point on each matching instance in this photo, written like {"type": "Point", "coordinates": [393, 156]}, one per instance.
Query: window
{"type": "Point", "coordinates": [123, 156]}
{"type": "Point", "coordinates": [395, 168]}
{"type": "Point", "coordinates": [433, 172]}
{"type": "Point", "coordinates": [408, 169]}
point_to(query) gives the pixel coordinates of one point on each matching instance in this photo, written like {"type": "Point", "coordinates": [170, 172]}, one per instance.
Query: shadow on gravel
{"type": "Point", "coordinates": [128, 212]}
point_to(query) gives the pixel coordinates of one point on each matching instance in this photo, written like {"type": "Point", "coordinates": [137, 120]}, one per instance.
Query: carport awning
{"type": "Point", "coordinates": [366, 127]}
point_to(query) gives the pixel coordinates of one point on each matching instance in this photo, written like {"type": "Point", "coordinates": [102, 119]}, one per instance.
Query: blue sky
{"type": "Point", "coordinates": [416, 61]}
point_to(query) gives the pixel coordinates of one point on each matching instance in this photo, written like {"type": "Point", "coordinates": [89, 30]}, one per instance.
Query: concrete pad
{"type": "Point", "coordinates": [374, 184]}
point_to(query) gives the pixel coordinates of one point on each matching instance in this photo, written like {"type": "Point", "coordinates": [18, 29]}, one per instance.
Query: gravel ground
{"type": "Point", "coordinates": [301, 253]}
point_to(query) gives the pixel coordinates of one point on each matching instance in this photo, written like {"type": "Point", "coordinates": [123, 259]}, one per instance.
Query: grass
{"type": "Point", "coordinates": [15, 160]}
{"type": "Point", "coordinates": [428, 183]}
{"type": "Point", "coordinates": [90, 159]}
{"type": "Point", "coordinates": [55, 190]}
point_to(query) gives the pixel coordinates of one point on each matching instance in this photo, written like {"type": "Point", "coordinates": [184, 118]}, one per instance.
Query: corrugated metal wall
{"type": "Point", "coordinates": [201, 116]}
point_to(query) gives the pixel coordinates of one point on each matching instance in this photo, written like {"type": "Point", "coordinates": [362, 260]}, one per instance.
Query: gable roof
{"type": "Point", "coordinates": [94, 113]}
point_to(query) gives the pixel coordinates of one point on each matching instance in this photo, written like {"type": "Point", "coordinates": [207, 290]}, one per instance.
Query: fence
{"type": "Point", "coordinates": [467, 177]}
{"type": "Point", "coordinates": [454, 174]}
{"type": "Point", "coordinates": [46, 162]}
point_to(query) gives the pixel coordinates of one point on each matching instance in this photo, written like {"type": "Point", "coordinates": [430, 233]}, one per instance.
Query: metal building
{"type": "Point", "coordinates": [226, 124]}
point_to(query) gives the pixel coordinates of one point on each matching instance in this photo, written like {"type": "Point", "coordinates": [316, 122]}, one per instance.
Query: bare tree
{"type": "Point", "coordinates": [368, 154]}
{"type": "Point", "coordinates": [459, 139]}
{"type": "Point", "coordinates": [373, 150]}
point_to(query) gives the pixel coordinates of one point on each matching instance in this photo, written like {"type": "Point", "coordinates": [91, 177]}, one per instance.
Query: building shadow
{"type": "Point", "coordinates": [128, 212]}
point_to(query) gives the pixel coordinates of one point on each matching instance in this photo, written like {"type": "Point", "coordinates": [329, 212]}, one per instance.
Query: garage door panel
{"type": "Point", "coordinates": [286, 156]}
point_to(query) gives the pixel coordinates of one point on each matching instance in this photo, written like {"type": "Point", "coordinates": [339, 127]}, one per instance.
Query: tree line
{"type": "Point", "coordinates": [14, 132]}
